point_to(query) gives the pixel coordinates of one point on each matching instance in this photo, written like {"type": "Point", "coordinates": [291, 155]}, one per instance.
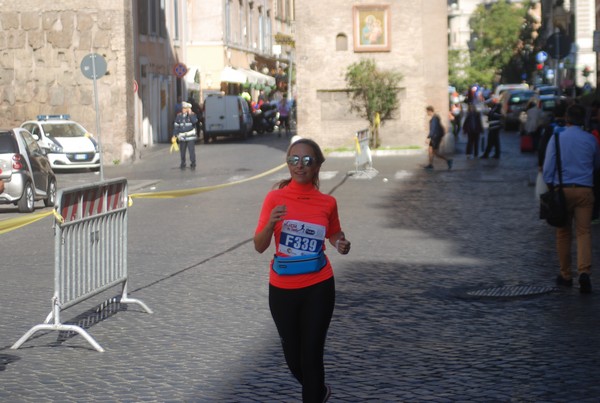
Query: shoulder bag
{"type": "Point", "coordinates": [553, 206]}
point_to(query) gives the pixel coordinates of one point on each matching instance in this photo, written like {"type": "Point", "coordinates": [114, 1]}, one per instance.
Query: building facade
{"type": "Point", "coordinates": [329, 38]}
{"type": "Point", "coordinates": [42, 47]}
{"type": "Point", "coordinates": [231, 45]}
{"type": "Point", "coordinates": [157, 52]}
{"type": "Point", "coordinates": [158, 47]}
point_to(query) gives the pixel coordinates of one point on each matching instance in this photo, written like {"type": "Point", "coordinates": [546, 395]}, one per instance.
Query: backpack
{"type": "Point", "coordinates": [439, 131]}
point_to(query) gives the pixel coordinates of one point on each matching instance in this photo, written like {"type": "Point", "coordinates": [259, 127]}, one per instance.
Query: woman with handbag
{"type": "Point", "coordinates": [301, 285]}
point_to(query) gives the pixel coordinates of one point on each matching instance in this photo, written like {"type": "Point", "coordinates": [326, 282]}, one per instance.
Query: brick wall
{"type": "Point", "coordinates": [41, 49]}
{"type": "Point", "coordinates": [418, 51]}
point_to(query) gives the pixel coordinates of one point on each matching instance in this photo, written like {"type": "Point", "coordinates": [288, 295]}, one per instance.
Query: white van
{"type": "Point", "coordinates": [226, 115]}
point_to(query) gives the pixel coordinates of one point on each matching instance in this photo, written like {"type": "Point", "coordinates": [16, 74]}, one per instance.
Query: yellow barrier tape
{"type": "Point", "coordinates": [171, 194]}
{"type": "Point", "coordinates": [18, 222]}
{"type": "Point", "coordinates": [58, 217]}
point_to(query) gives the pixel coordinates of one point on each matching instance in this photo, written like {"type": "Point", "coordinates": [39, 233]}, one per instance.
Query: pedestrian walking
{"type": "Point", "coordinates": [579, 157]}
{"type": "Point", "coordinates": [434, 138]}
{"type": "Point", "coordinates": [533, 123]}
{"type": "Point", "coordinates": [456, 117]}
{"type": "Point", "coordinates": [284, 115]}
{"type": "Point", "coordinates": [494, 116]}
{"type": "Point", "coordinates": [301, 284]}
{"type": "Point", "coordinates": [473, 127]}
{"type": "Point", "coordinates": [184, 131]}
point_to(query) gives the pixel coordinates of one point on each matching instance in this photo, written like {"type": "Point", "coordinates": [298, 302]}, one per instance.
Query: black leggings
{"type": "Point", "coordinates": [302, 317]}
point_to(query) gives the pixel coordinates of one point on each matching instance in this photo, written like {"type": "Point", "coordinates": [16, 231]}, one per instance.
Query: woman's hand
{"type": "Point", "coordinates": [262, 240]}
{"type": "Point", "coordinates": [277, 214]}
{"type": "Point", "coordinates": [341, 243]}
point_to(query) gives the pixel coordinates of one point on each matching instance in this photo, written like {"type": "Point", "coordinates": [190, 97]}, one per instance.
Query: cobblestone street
{"type": "Point", "coordinates": [414, 321]}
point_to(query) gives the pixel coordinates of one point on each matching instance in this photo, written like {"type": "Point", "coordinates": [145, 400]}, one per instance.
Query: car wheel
{"type": "Point", "coordinates": [206, 138]}
{"type": "Point", "coordinates": [51, 193]}
{"type": "Point", "coordinates": [27, 200]}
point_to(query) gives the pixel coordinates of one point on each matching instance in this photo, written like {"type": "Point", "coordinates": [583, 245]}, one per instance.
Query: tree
{"type": "Point", "coordinates": [458, 61]}
{"type": "Point", "coordinates": [372, 92]}
{"type": "Point", "coordinates": [497, 39]}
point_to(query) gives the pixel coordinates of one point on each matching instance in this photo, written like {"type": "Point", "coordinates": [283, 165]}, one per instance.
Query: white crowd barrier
{"type": "Point", "coordinates": [90, 251]}
{"type": "Point", "coordinates": [363, 159]}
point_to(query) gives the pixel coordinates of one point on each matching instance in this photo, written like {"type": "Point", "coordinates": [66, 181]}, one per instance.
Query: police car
{"type": "Point", "coordinates": [68, 144]}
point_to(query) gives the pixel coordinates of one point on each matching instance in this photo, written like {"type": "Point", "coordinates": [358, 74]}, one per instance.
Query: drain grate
{"type": "Point", "coordinates": [511, 291]}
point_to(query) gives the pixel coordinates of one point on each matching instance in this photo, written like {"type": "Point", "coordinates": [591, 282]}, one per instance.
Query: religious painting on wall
{"type": "Point", "coordinates": [372, 28]}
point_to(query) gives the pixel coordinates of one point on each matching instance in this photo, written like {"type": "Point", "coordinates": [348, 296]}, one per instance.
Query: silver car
{"type": "Point", "coordinates": [25, 171]}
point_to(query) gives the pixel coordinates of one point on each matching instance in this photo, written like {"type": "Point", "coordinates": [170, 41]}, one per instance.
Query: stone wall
{"type": "Point", "coordinates": [40, 57]}
{"type": "Point", "coordinates": [418, 51]}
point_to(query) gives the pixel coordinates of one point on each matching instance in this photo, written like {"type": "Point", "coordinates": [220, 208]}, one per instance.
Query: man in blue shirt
{"type": "Point", "coordinates": [580, 156]}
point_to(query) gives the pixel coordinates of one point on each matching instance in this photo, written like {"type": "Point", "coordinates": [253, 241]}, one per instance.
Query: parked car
{"type": "Point", "coordinates": [25, 171]}
{"type": "Point", "coordinates": [69, 145]}
{"type": "Point", "coordinates": [544, 90]}
{"type": "Point", "coordinates": [513, 102]}
{"type": "Point", "coordinates": [548, 103]}
{"type": "Point", "coordinates": [502, 88]}
{"type": "Point", "coordinates": [226, 115]}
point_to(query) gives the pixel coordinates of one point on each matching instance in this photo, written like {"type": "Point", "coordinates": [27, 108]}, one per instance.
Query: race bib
{"type": "Point", "coordinates": [300, 238]}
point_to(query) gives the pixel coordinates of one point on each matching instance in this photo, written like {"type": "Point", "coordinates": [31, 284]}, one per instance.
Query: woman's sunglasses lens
{"type": "Point", "coordinates": [307, 160]}
{"type": "Point", "coordinates": [293, 160]}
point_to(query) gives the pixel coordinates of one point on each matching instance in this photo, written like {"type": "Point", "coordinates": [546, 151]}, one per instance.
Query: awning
{"type": "Point", "coordinates": [254, 77]}
{"type": "Point", "coordinates": [242, 76]}
{"type": "Point", "coordinates": [192, 78]}
{"type": "Point", "coordinates": [231, 75]}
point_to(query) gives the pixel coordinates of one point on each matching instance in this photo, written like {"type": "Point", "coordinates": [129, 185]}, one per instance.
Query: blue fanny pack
{"type": "Point", "coordinates": [299, 264]}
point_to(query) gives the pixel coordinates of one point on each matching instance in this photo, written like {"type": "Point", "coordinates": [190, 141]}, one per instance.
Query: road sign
{"type": "Point", "coordinates": [541, 57]}
{"type": "Point", "coordinates": [180, 70]}
{"type": "Point", "coordinates": [93, 66]}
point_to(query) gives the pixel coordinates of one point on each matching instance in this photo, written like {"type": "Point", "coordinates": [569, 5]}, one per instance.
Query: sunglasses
{"type": "Point", "coordinates": [307, 160]}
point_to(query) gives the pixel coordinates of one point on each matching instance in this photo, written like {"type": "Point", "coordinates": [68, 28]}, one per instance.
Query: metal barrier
{"type": "Point", "coordinates": [363, 159]}
{"type": "Point", "coordinates": [90, 250]}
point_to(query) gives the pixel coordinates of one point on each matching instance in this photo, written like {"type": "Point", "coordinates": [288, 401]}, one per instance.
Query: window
{"type": "Point", "coordinates": [175, 20]}
{"type": "Point", "coordinates": [268, 34]}
{"type": "Point", "coordinates": [289, 10]}
{"type": "Point", "coordinates": [250, 31]}
{"type": "Point", "coordinates": [162, 20]}
{"type": "Point", "coordinates": [143, 17]}
{"type": "Point", "coordinates": [151, 18]}
{"type": "Point", "coordinates": [227, 21]}
{"type": "Point", "coordinates": [241, 23]}
{"type": "Point", "coordinates": [284, 10]}
{"type": "Point", "coordinates": [341, 42]}
{"type": "Point", "coordinates": [261, 30]}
